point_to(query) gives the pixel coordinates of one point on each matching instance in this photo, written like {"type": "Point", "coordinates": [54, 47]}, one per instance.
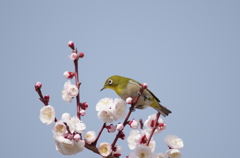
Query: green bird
{"type": "Point", "coordinates": [127, 87]}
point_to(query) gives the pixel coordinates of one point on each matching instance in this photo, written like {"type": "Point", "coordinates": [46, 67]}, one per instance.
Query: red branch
{"type": "Point", "coordinates": [45, 102]}
{"type": "Point", "coordinates": [154, 128]}
{"type": "Point", "coordinates": [78, 85]}
{"type": "Point", "coordinates": [131, 109]}
{"type": "Point", "coordinates": [99, 134]}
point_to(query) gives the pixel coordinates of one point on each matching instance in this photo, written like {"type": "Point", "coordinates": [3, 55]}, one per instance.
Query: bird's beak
{"type": "Point", "coordinates": [103, 88]}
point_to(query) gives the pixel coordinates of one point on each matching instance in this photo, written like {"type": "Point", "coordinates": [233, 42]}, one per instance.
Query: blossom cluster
{"type": "Point", "coordinates": [174, 143]}
{"type": "Point", "coordinates": [66, 133]}
{"type": "Point", "coordinates": [137, 141]}
{"type": "Point", "coordinates": [110, 110]}
{"type": "Point", "coordinates": [69, 91]}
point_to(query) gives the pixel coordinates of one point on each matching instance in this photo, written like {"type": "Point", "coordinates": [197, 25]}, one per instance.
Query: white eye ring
{"type": "Point", "coordinates": [110, 81]}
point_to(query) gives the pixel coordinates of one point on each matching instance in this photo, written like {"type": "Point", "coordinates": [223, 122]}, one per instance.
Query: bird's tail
{"type": "Point", "coordinates": [164, 111]}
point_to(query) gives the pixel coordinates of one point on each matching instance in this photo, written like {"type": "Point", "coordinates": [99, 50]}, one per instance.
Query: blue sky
{"type": "Point", "coordinates": [187, 52]}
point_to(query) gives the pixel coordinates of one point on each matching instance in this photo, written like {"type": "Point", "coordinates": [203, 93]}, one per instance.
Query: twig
{"type": "Point", "coordinates": [77, 84]}
{"type": "Point", "coordinates": [99, 134]}
{"type": "Point", "coordinates": [128, 115]}
{"type": "Point", "coordinates": [154, 128]}
{"type": "Point", "coordinates": [45, 102]}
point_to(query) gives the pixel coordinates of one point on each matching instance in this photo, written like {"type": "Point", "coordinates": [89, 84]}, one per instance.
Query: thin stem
{"type": "Point", "coordinates": [154, 128]}
{"type": "Point", "coordinates": [128, 115]}
{"type": "Point", "coordinates": [45, 102]}
{"type": "Point", "coordinates": [78, 85]}
{"type": "Point", "coordinates": [99, 134]}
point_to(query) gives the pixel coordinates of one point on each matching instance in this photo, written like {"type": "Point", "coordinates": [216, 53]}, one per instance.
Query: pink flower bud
{"type": "Point", "coordinates": [120, 127]}
{"type": "Point", "coordinates": [76, 137]}
{"type": "Point", "coordinates": [81, 55]}
{"type": "Point", "coordinates": [70, 136]}
{"type": "Point", "coordinates": [68, 74]}
{"type": "Point", "coordinates": [145, 85]}
{"type": "Point", "coordinates": [111, 128]}
{"type": "Point", "coordinates": [84, 106]}
{"type": "Point", "coordinates": [47, 98]}
{"type": "Point", "coordinates": [133, 124]}
{"type": "Point", "coordinates": [82, 112]}
{"type": "Point", "coordinates": [38, 85]}
{"type": "Point", "coordinates": [71, 44]}
{"type": "Point", "coordinates": [162, 126]}
{"type": "Point", "coordinates": [129, 100]}
{"type": "Point", "coordinates": [122, 135]}
{"type": "Point", "coordinates": [73, 56]}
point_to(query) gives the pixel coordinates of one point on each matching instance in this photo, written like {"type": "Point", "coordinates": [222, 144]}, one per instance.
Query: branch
{"type": "Point", "coordinates": [99, 134]}
{"type": "Point", "coordinates": [44, 101]}
{"type": "Point", "coordinates": [131, 109]}
{"type": "Point", "coordinates": [154, 128]}
{"type": "Point", "coordinates": [77, 84]}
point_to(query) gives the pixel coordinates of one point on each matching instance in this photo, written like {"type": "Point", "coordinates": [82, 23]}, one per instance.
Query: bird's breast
{"type": "Point", "coordinates": [131, 90]}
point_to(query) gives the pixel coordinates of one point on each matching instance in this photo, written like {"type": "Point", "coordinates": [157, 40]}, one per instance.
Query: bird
{"type": "Point", "coordinates": [127, 87]}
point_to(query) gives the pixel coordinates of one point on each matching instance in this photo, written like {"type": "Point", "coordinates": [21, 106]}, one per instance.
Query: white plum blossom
{"type": "Point", "coordinates": [104, 103]}
{"type": "Point", "coordinates": [66, 135]}
{"type": "Point", "coordinates": [150, 122]}
{"type": "Point", "coordinates": [66, 116]}
{"type": "Point", "coordinates": [118, 151]}
{"type": "Point", "coordinates": [90, 137]}
{"type": "Point", "coordinates": [143, 152]}
{"type": "Point", "coordinates": [132, 144]}
{"type": "Point", "coordinates": [106, 115]}
{"type": "Point", "coordinates": [119, 109]}
{"type": "Point", "coordinates": [173, 142]}
{"type": "Point", "coordinates": [59, 128]}
{"type": "Point", "coordinates": [159, 155]}
{"type": "Point", "coordinates": [152, 145]}
{"type": "Point", "coordinates": [47, 114]}
{"type": "Point", "coordinates": [173, 153]}
{"type": "Point", "coordinates": [105, 149]}
{"type": "Point", "coordinates": [68, 147]}
{"type": "Point", "coordinates": [141, 137]}
{"type": "Point", "coordinates": [66, 97]}
{"type": "Point", "coordinates": [78, 125]}
{"type": "Point", "coordinates": [132, 155]}
{"type": "Point", "coordinates": [69, 91]}
{"type": "Point", "coordinates": [109, 110]}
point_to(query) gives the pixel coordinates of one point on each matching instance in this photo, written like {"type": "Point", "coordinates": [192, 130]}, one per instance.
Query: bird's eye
{"type": "Point", "coordinates": [110, 81]}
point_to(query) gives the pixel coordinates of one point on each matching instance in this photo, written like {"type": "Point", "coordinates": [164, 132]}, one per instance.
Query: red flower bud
{"type": "Point", "coordinates": [47, 98]}
{"type": "Point", "coordinates": [81, 55]}
{"type": "Point", "coordinates": [84, 106]}
{"type": "Point", "coordinates": [71, 44]}
{"type": "Point", "coordinates": [145, 85]}
{"type": "Point", "coordinates": [38, 85]}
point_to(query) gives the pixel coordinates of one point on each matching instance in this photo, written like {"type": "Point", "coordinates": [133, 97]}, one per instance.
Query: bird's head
{"type": "Point", "coordinates": [112, 83]}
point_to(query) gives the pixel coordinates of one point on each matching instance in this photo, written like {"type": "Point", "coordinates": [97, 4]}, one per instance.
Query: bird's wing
{"type": "Point", "coordinates": [139, 84]}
